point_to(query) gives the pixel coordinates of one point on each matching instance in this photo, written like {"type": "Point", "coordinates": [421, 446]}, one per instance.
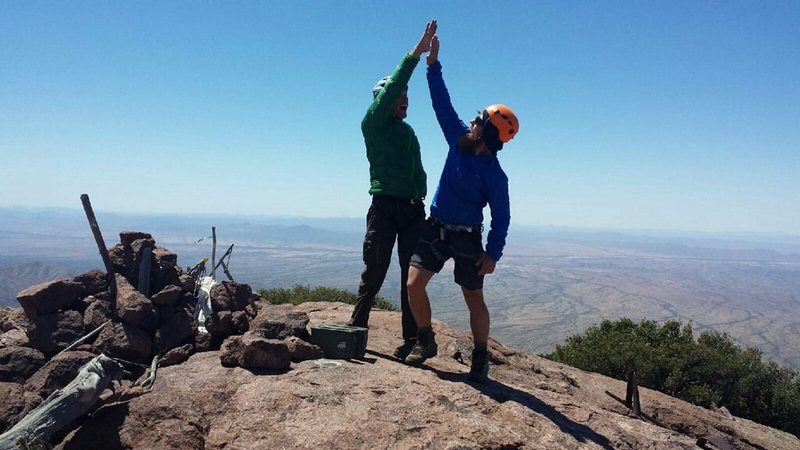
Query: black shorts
{"type": "Point", "coordinates": [436, 245]}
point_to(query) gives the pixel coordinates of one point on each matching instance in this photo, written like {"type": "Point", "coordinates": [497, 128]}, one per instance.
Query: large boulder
{"type": "Point", "coordinates": [167, 296]}
{"type": "Point", "coordinates": [162, 277]}
{"type": "Point", "coordinates": [300, 350]}
{"type": "Point", "coordinates": [126, 238]}
{"type": "Point", "coordinates": [230, 296]}
{"type": "Point", "coordinates": [97, 313]}
{"type": "Point", "coordinates": [125, 341]}
{"type": "Point", "coordinates": [54, 332]}
{"type": "Point", "coordinates": [93, 281]}
{"type": "Point", "coordinates": [122, 259]}
{"type": "Point", "coordinates": [164, 258]}
{"type": "Point", "coordinates": [19, 363]}
{"type": "Point", "coordinates": [225, 323]}
{"type": "Point", "coordinates": [58, 372]}
{"type": "Point", "coordinates": [179, 328]}
{"type": "Point", "coordinates": [49, 297]}
{"type": "Point", "coordinates": [253, 351]}
{"type": "Point", "coordinates": [281, 321]}
{"type": "Point", "coordinates": [134, 307]}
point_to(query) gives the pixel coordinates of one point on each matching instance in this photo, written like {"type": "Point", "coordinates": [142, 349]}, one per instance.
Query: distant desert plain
{"type": "Point", "coordinates": [550, 284]}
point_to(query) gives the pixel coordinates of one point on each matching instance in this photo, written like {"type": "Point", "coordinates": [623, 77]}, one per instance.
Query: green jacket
{"type": "Point", "coordinates": [395, 166]}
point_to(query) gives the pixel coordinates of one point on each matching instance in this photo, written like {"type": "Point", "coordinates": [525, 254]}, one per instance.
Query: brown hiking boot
{"type": "Point", "coordinates": [424, 348]}
{"type": "Point", "coordinates": [403, 350]}
{"type": "Point", "coordinates": [479, 372]}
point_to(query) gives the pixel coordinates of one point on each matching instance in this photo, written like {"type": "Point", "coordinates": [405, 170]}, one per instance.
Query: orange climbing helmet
{"type": "Point", "coordinates": [504, 119]}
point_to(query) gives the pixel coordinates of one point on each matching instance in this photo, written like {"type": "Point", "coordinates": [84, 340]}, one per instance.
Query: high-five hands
{"type": "Point", "coordinates": [424, 43]}
{"type": "Point", "coordinates": [433, 56]}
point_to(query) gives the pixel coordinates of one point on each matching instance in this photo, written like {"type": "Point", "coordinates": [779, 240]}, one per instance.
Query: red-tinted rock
{"type": "Point", "coordinates": [122, 259]}
{"type": "Point", "coordinates": [14, 338]}
{"type": "Point", "coordinates": [49, 297]}
{"type": "Point", "coordinates": [163, 277]}
{"type": "Point", "coordinates": [134, 308]}
{"type": "Point", "coordinates": [186, 282]}
{"type": "Point", "coordinates": [58, 372]}
{"type": "Point", "coordinates": [93, 281]}
{"type": "Point", "coordinates": [97, 313]}
{"type": "Point", "coordinates": [204, 342]}
{"type": "Point", "coordinates": [19, 363]}
{"type": "Point", "coordinates": [252, 351]}
{"type": "Point", "coordinates": [281, 321]}
{"type": "Point", "coordinates": [230, 296]}
{"type": "Point", "coordinates": [179, 328]}
{"type": "Point", "coordinates": [126, 238]}
{"type": "Point", "coordinates": [54, 332]}
{"type": "Point", "coordinates": [164, 258]}
{"type": "Point", "coordinates": [13, 318]}
{"type": "Point", "coordinates": [125, 341]}
{"type": "Point", "coordinates": [177, 355]}
{"type": "Point", "coordinates": [300, 350]}
{"type": "Point", "coordinates": [167, 296]}
{"type": "Point", "coordinates": [220, 324]}
{"type": "Point", "coordinates": [15, 403]}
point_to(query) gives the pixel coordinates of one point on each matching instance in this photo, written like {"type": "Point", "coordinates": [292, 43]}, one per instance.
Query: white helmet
{"type": "Point", "coordinates": [379, 85]}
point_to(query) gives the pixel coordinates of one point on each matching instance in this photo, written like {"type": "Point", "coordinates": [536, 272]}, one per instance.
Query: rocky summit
{"type": "Point", "coordinates": [378, 402]}
{"type": "Point", "coordinates": [249, 377]}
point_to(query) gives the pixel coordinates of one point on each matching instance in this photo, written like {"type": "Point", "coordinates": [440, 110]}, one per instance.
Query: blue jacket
{"type": "Point", "coordinates": [468, 182]}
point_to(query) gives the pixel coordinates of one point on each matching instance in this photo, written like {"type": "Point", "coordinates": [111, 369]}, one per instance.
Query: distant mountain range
{"type": "Point", "coordinates": [551, 283]}
{"type": "Point", "coordinates": [17, 277]}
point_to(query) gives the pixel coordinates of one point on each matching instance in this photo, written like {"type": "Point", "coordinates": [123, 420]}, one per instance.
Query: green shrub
{"type": "Point", "coordinates": [303, 293]}
{"type": "Point", "coordinates": [710, 370]}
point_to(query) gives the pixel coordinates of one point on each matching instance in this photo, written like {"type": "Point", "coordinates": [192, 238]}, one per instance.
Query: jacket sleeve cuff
{"type": "Point", "coordinates": [494, 254]}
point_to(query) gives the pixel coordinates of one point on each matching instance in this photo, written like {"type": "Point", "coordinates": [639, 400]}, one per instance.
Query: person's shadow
{"type": "Point", "coordinates": [502, 393]}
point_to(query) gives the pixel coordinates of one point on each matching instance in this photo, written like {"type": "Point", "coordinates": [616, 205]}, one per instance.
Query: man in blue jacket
{"type": "Point", "coordinates": [471, 179]}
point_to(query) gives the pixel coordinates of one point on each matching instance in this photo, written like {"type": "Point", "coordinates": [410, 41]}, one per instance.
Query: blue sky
{"type": "Point", "coordinates": [666, 115]}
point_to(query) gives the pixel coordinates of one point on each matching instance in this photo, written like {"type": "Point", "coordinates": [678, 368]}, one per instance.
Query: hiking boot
{"type": "Point", "coordinates": [423, 349]}
{"type": "Point", "coordinates": [479, 372]}
{"type": "Point", "coordinates": [403, 350]}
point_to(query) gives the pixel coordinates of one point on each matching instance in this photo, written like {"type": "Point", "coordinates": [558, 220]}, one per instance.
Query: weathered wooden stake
{"type": "Point", "coordinates": [632, 394]}
{"type": "Point", "coordinates": [101, 246]}
{"type": "Point", "coordinates": [629, 390]}
{"type": "Point", "coordinates": [63, 406]}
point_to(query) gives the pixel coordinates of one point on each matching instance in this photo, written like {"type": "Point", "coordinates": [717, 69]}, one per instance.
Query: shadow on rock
{"type": "Point", "coordinates": [502, 393]}
{"type": "Point", "coordinates": [101, 430]}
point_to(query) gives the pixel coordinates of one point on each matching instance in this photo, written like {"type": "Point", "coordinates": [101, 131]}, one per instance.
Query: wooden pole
{"type": "Point", "coordinates": [101, 246]}
{"type": "Point", "coordinates": [213, 251]}
{"type": "Point", "coordinates": [629, 390]}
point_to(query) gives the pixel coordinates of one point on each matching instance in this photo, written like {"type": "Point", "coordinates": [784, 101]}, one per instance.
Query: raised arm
{"type": "Point", "coordinates": [452, 127]}
{"type": "Point", "coordinates": [380, 110]}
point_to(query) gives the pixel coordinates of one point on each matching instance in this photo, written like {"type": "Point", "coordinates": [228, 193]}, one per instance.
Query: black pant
{"type": "Point", "coordinates": [388, 219]}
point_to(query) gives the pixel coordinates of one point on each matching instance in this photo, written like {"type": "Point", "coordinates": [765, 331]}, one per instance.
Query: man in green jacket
{"type": "Point", "coordinates": [398, 188]}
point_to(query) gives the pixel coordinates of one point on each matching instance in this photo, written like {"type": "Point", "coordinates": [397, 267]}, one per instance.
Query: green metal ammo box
{"type": "Point", "coordinates": [340, 341]}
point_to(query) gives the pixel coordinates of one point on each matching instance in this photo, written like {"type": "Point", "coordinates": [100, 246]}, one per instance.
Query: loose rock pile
{"type": "Point", "coordinates": [160, 321]}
